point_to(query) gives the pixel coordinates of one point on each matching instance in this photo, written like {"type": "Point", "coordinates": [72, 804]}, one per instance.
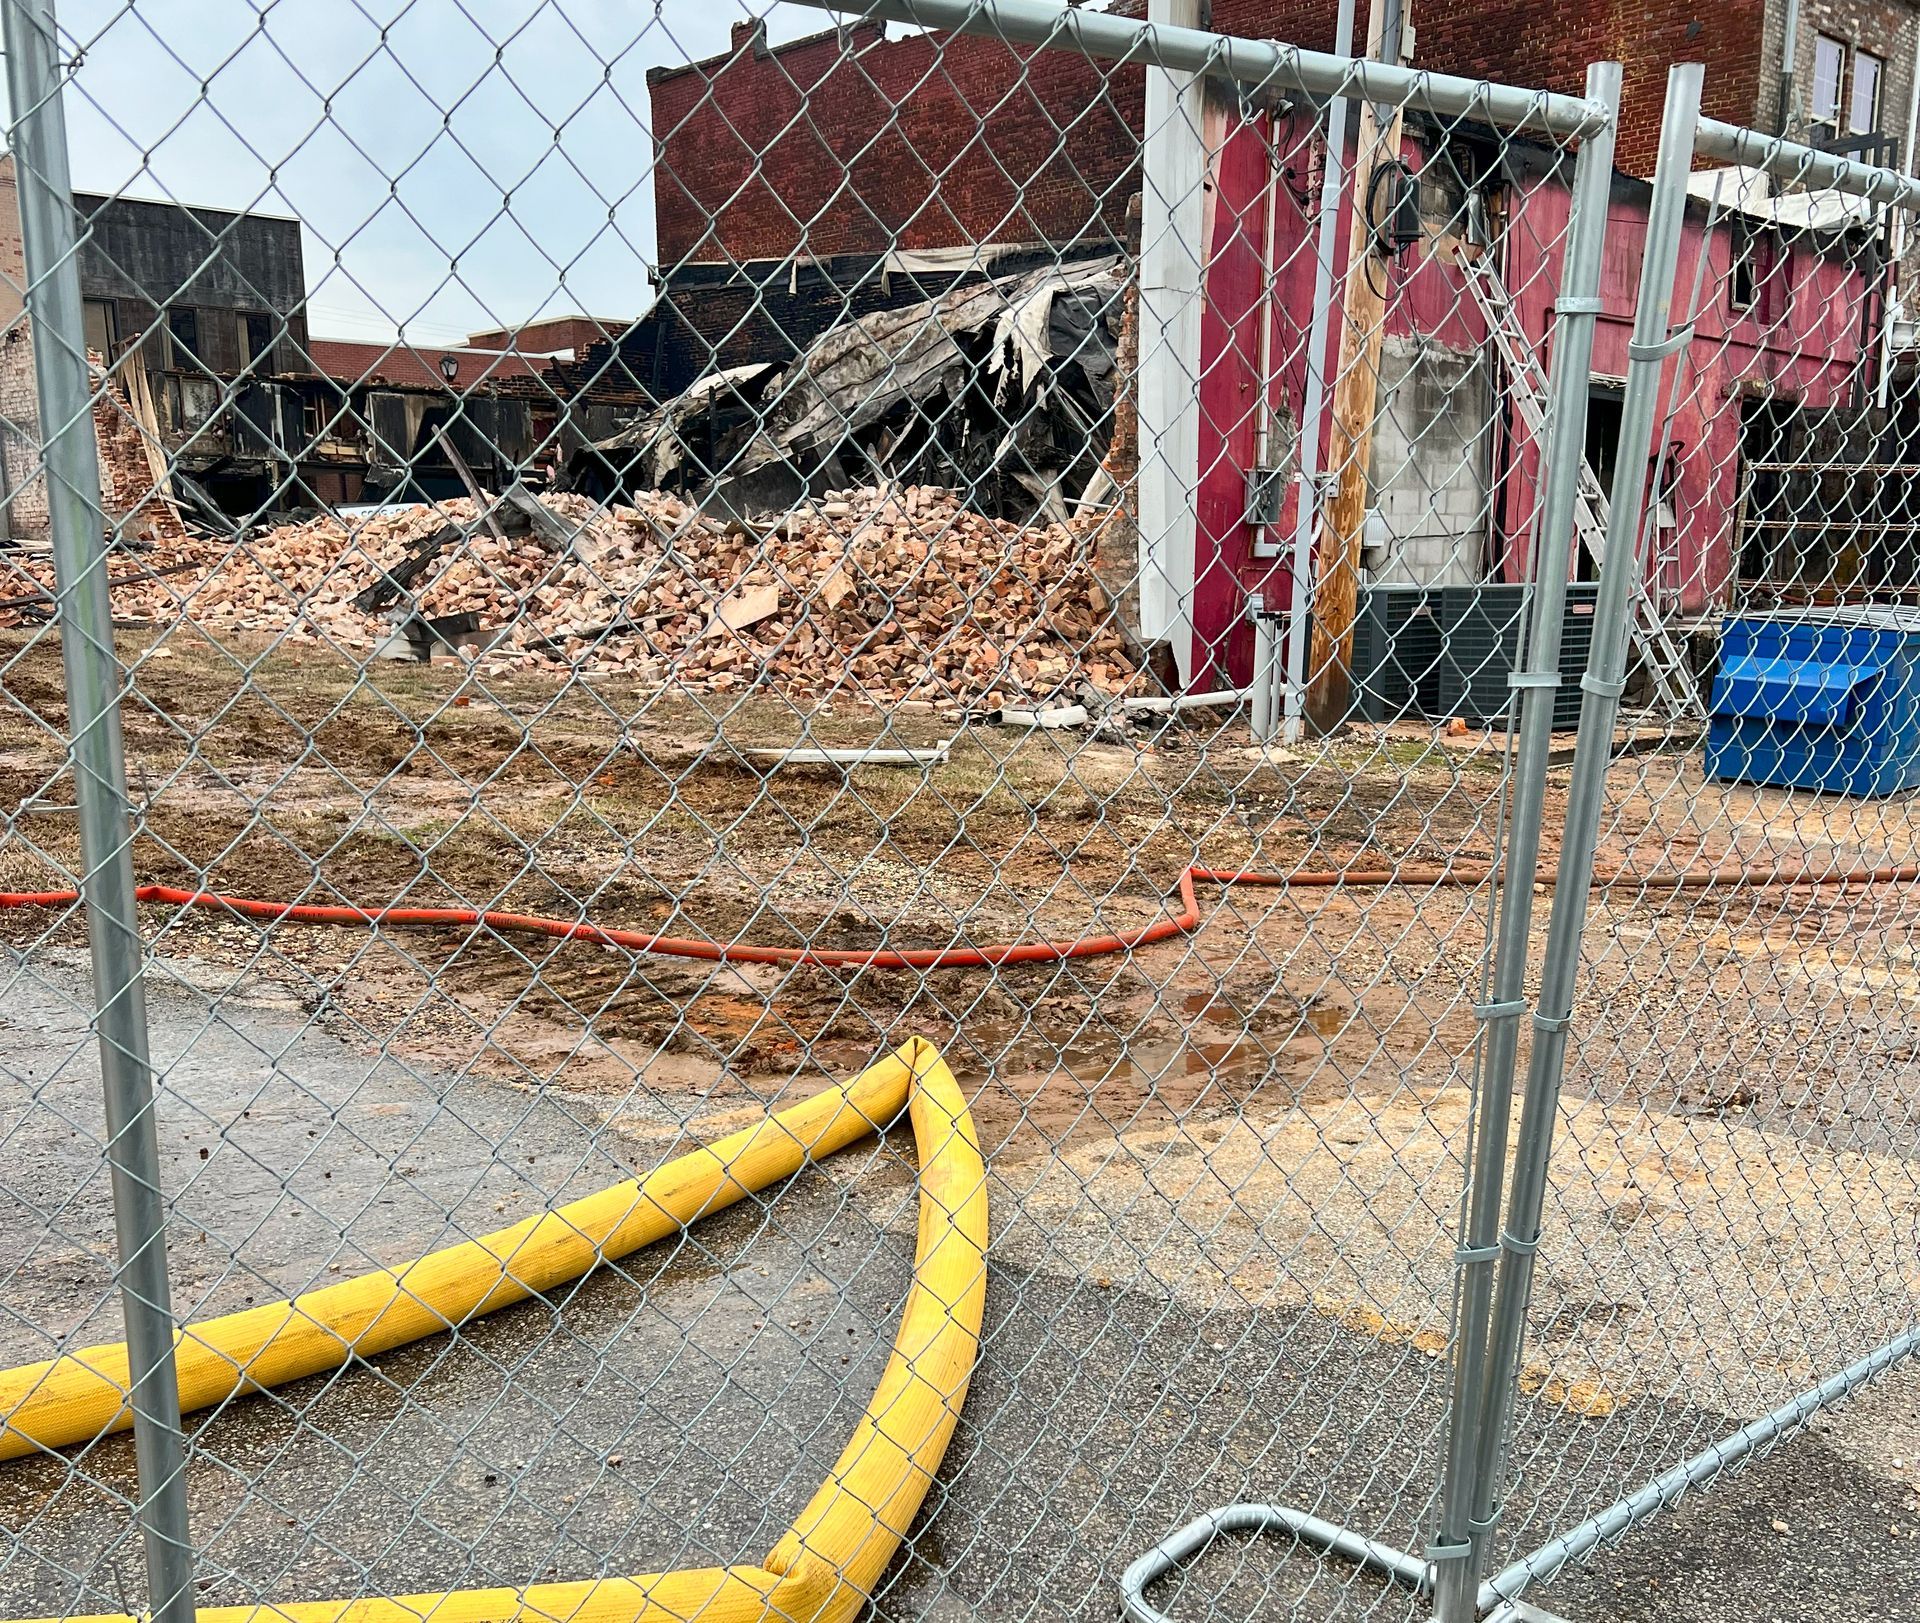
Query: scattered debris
{"type": "Point", "coordinates": [896, 594]}
{"type": "Point", "coordinates": [1002, 389]}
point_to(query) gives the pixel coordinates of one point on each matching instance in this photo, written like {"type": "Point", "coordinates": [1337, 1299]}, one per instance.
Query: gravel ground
{"type": "Point", "coordinates": [1224, 1169]}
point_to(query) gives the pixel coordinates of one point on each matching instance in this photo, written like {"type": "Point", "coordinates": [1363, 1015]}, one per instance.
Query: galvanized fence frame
{"type": "Point", "coordinates": [1502, 1221]}
{"type": "Point", "coordinates": [95, 681]}
{"type": "Point", "coordinates": [1684, 135]}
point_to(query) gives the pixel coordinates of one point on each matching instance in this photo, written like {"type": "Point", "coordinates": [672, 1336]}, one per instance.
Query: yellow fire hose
{"type": "Point", "coordinates": [826, 1565]}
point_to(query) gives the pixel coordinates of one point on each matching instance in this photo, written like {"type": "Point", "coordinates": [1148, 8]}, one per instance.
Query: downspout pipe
{"type": "Point", "coordinates": [1787, 117]}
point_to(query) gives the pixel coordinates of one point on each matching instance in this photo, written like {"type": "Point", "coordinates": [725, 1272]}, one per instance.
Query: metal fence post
{"type": "Point", "coordinates": [1600, 704]}
{"type": "Point", "coordinates": [93, 679]}
{"type": "Point", "coordinates": [1578, 308]}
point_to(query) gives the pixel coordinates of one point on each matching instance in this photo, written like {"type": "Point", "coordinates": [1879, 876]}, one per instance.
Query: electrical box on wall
{"type": "Point", "coordinates": [1266, 494]}
{"type": "Point", "coordinates": [1376, 542]}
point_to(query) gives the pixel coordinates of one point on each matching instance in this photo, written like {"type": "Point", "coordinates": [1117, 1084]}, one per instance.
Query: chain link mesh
{"type": "Point", "coordinates": [1727, 1220]}
{"type": "Point", "coordinates": [964, 605]}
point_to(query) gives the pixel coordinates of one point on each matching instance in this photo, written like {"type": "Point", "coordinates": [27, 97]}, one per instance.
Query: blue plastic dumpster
{"type": "Point", "coordinates": [1819, 699]}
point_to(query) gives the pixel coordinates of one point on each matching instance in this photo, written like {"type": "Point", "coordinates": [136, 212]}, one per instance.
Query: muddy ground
{"type": "Point", "coordinates": [1225, 1167]}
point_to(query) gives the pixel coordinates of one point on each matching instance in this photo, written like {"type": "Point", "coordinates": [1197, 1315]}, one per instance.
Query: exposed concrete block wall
{"type": "Point", "coordinates": [1432, 444]}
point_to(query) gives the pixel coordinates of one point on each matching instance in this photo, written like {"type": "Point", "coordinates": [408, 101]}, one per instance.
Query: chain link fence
{"type": "Point", "coordinates": [862, 946]}
{"type": "Point", "coordinates": [1723, 1211]}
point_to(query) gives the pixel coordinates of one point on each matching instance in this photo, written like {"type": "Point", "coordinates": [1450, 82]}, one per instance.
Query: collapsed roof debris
{"type": "Point", "coordinates": [1001, 390]}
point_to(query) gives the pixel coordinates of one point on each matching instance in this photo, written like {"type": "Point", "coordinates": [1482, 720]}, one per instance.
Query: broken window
{"type": "Point", "coordinates": [1759, 279]}
{"type": "Point", "coordinates": [1814, 524]}
{"type": "Point", "coordinates": [183, 327]}
{"type": "Point", "coordinates": [260, 340]}
{"type": "Point", "coordinates": [102, 330]}
{"type": "Point", "coordinates": [1742, 281]}
{"type": "Point", "coordinates": [1606, 405]}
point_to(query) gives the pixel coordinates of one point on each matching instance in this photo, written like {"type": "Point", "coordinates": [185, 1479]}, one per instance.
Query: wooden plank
{"type": "Point", "coordinates": [395, 581]}
{"type": "Point", "coordinates": [742, 607]}
{"type": "Point", "coordinates": [480, 503]}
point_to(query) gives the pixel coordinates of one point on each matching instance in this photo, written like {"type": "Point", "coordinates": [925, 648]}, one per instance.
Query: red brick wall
{"type": "Point", "coordinates": [833, 145]}
{"type": "Point", "coordinates": [830, 146]}
{"type": "Point", "coordinates": [819, 150]}
{"type": "Point", "coordinates": [1524, 42]}
{"type": "Point", "coordinates": [127, 493]}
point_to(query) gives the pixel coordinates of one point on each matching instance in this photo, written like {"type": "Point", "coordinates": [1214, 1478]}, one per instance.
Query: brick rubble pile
{"type": "Point", "coordinates": [899, 594]}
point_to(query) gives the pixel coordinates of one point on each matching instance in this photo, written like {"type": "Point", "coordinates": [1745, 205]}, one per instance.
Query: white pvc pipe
{"type": "Point", "coordinates": [1188, 701]}
{"type": "Point", "coordinates": [1263, 670]}
{"type": "Point", "coordinates": [771, 758]}
{"type": "Point", "coordinates": [1313, 407]}
{"type": "Point", "coordinates": [1066, 715]}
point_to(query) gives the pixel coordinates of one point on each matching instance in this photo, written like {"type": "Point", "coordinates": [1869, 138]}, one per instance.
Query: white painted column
{"type": "Point", "coordinates": [1172, 263]}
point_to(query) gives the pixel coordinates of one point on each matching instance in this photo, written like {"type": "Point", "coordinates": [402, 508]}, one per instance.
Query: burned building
{"type": "Point", "coordinates": [773, 227]}
{"type": "Point", "coordinates": [200, 315]}
{"type": "Point", "coordinates": [929, 161]}
{"type": "Point", "coordinates": [209, 304]}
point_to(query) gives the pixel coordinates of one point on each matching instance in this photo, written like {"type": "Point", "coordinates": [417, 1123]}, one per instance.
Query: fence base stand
{"type": "Point", "coordinates": [1498, 1599]}
{"type": "Point", "coordinates": [1189, 1541]}
{"type": "Point", "coordinates": [1518, 1611]}
{"type": "Point", "coordinates": [1618, 1518]}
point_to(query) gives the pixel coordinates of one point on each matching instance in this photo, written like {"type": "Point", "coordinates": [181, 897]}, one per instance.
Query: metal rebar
{"type": "Point", "coordinates": [1578, 307]}
{"type": "Point", "coordinates": [38, 140]}
{"type": "Point", "coordinates": [1103, 35]}
{"type": "Point", "coordinates": [1605, 677]}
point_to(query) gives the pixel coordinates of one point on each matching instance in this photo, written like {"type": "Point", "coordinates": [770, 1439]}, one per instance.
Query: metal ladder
{"type": "Point", "coordinates": [1663, 658]}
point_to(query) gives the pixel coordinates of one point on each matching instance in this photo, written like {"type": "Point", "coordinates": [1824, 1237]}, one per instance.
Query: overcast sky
{"type": "Point", "coordinates": [457, 164]}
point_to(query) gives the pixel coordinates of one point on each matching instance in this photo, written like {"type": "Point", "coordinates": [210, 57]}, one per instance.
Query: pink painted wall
{"type": "Point", "coordinates": [1807, 349]}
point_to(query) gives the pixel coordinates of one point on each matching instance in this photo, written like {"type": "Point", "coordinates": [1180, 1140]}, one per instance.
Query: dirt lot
{"type": "Point", "coordinates": [286, 775]}
{"type": "Point", "coordinates": [1225, 1167]}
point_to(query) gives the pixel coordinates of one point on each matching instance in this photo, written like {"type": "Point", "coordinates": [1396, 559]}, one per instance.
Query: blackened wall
{"type": "Point", "coordinates": [144, 256]}
{"type": "Point", "coordinates": [710, 317]}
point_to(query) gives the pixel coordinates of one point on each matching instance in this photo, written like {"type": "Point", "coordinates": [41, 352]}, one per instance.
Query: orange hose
{"type": "Point", "coordinates": [1752, 876]}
